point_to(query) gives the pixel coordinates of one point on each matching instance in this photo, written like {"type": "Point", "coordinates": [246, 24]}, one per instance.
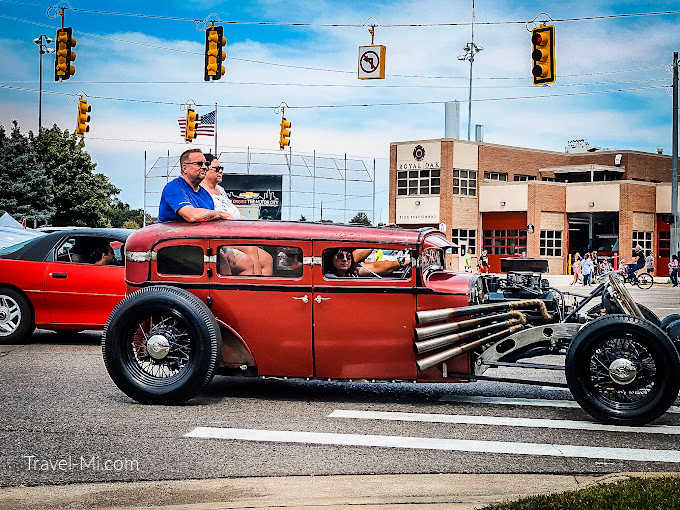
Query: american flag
{"type": "Point", "coordinates": [205, 126]}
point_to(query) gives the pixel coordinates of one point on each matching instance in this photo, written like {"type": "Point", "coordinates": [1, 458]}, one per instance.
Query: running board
{"type": "Point", "coordinates": [473, 378]}
{"type": "Point", "coordinates": [537, 366]}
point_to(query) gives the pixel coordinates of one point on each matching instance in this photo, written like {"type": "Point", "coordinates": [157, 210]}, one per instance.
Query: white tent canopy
{"type": "Point", "coordinates": [6, 220]}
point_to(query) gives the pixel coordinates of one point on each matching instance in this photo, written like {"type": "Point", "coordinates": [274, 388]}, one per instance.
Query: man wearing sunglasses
{"type": "Point", "coordinates": [183, 198]}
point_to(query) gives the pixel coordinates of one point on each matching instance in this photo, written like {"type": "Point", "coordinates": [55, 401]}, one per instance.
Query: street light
{"type": "Point", "coordinates": [42, 43]}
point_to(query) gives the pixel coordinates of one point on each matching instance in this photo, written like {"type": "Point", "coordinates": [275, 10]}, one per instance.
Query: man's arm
{"type": "Point", "coordinates": [196, 214]}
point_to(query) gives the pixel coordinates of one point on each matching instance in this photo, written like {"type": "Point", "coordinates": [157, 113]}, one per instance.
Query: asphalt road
{"type": "Point", "coordinates": [62, 420]}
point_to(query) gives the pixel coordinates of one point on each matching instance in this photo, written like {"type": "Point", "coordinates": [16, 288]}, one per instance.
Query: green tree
{"type": "Point", "coordinates": [361, 219]}
{"type": "Point", "coordinates": [121, 213]}
{"type": "Point", "coordinates": [130, 224]}
{"type": "Point", "coordinates": [81, 196]}
{"type": "Point", "coordinates": [26, 188]}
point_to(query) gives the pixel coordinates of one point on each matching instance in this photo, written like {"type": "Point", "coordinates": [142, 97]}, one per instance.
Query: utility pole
{"type": "Point", "coordinates": [675, 228]}
{"type": "Point", "coordinates": [42, 43]}
{"type": "Point", "coordinates": [471, 49]}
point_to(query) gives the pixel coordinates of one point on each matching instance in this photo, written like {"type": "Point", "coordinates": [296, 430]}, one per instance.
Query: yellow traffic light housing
{"type": "Point", "coordinates": [64, 54]}
{"type": "Point", "coordinates": [215, 53]}
{"type": "Point", "coordinates": [83, 118]}
{"type": "Point", "coordinates": [284, 140]}
{"type": "Point", "coordinates": [192, 121]}
{"type": "Point", "coordinates": [543, 54]}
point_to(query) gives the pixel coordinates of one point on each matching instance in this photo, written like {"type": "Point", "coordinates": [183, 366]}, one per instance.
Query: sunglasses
{"type": "Point", "coordinates": [343, 255]}
{"type": "Point", "coordinates": [199, 163]}
{"type": "Point", "coordinates": [218, 169]}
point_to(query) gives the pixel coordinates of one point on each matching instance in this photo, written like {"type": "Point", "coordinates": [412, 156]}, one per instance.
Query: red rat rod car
{"type": "Point", "coordinates": [391, 313]}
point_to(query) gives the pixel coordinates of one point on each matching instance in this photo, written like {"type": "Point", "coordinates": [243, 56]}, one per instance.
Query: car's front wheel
{"type": "Point", "coordinates": [161, 345]}
{"type": "Point", "coordinates": [16, 317]}
{"type": "Point", "coordinates": [623, 370]}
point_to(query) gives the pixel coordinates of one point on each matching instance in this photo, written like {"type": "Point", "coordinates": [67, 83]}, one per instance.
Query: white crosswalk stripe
{"type": "Point", "coordinates": [505, 421]}
{"type": "Point", "coordinates": [432, 443]}
{"type": "Point", "coordinates": [536, 402]}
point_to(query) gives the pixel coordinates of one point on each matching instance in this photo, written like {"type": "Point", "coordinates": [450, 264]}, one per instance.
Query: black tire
{"type": "Point", "coordinates": [645, 281]}
{"type": "Point", "coordinates": [668, 319]}
{"type": "Point", "coordinates": [623, 340]}
{"type": "Point", "coordinates": [597, 311]}
{"type": "Point", "coordinates": [16, 317]}
{"type": "Point", "coordinates": [183, 327]}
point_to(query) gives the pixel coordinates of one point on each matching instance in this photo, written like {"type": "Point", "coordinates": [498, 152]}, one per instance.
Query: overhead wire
{"type": "Point", "coordinates": [330, 106]}
{"type": "Point", "coordinates": [378, 25]}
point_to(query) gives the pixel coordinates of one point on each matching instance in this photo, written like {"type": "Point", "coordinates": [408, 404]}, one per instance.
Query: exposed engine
{"type": "Point", "coordinates": [518, 285]}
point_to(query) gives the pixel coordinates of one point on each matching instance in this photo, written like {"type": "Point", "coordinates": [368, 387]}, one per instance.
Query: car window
{"type": "Point", "coordinates": [180, 260]}
{"type": "Point", "coordinates": [366, 262]}
{"type": "Point", "coordinates": [259, 260]}
{"type": "Point", "coordinates": [91, 250]}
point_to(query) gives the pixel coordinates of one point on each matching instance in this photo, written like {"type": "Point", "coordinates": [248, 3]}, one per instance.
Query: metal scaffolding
{"type": "Point", "coordinates": [316, 186]}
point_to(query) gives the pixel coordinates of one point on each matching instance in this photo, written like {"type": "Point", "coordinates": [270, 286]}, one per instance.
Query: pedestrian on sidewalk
{"type": "Point", "coordinates": [649, 260]}
{"type": "Point", "coordinates": [587, 269]}
{"type": "Point", "coordinates": [673, 270]}
{"type": "Point", "coordinates": [577, 268]}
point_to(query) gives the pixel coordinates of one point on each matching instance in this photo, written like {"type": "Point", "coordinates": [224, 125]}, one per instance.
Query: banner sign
{"type": "Point", "coordinates": [255, 196]}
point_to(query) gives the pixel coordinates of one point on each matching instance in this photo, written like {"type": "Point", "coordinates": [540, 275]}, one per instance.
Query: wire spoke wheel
{"type": "Point", "coordinates": [623, 369]}
{"type": "Point", "coordinates": [160, 346]}
{"type": "Point", "coordinates": [622, 372]}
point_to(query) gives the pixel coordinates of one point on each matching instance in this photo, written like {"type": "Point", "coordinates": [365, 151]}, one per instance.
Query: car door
{"type": "Point", "coordinates": [363, 327]}
{"type": "Point", "coordinates": [272, 312]}
{"type": "Point", "coordinates": [78, 293]}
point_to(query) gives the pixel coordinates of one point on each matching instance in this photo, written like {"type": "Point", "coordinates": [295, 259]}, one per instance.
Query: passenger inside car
{"type": "Point", "coordinates": [364, 263]}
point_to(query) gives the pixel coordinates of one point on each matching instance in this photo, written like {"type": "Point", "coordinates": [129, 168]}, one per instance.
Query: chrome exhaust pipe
{"type": "Point", "coordinates": [429, 316]}
{"type": "Point", "coordinates": [441, 357]}
{"type": "Point", "coordinates": [449, 327]}
{"type": "Point", "coordinates": [442, 341]}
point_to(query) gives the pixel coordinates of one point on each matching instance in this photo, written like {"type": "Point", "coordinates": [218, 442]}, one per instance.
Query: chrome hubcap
{"type": "Point", "coordinates": [622, 371]}
{"type": "Point", "coordinates": [158, 347]}
{"type": "Point", "coordinates": [10, 316]}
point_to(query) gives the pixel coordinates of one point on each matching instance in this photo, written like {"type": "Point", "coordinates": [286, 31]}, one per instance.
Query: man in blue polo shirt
{"type": "Point", "coordinates": [183, 198]}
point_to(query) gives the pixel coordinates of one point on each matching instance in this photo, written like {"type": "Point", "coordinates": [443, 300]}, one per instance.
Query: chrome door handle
{"type": "Point", "coordinates": [318, 299]}
{"type": "Point", "coordinates": [304, 298]}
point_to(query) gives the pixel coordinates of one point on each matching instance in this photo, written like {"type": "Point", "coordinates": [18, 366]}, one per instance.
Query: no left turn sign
{"type": "Point", "coordinates": [371, 65]}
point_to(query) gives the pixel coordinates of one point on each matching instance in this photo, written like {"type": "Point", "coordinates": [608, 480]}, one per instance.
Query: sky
{"type": "Point", "coordinates": [596, 55]}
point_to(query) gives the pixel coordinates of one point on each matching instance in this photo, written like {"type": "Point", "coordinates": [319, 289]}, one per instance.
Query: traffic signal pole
{"type": "Point", "coordinates": [675, 228]}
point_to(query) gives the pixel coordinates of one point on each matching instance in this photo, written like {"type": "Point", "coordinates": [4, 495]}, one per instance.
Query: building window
{"type": "Point", "coordinates": [418, 182]}
{"type": "Point", "coordinates": [664, 244]}
{"type": "Point", "coordinates": [462, 237]}
{"type": "Point", "coordinates": [523, 177]}
{"type": "Point", "coordinates": [549, 179]}
{"type": "Point", "coordinates": [551, 243]}
{"type": "Point", "coordinates": [495, 176]}
{"type": "Point", "coordinates": [505, 242]}
{"type": "Point", "coordinates": [465, 182]}
{"type": "Point", "coordinates": [644, 239]}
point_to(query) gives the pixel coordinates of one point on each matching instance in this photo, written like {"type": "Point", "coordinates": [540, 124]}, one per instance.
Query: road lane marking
{"type": "Point", "coordinates": [504, 421]}
{"type": "Point", "coordinates": [475, 399]}
{"type": "Point", "coordinates": [433, 443]}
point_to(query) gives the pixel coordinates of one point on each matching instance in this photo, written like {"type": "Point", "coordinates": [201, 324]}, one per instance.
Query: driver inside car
{"type": "Point", "coordinates": [352, 263]}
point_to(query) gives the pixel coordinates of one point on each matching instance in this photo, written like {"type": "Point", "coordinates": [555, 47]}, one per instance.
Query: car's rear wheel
{"type": "Point", "coordinates": [623, 370]}
{"type": "Point", "coordinates": [161, 345]}
{"type": "Point", "coordinates": [16, 317]}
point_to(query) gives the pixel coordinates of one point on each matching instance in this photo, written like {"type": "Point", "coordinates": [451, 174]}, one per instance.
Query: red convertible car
{"type": "Point", "coordinates": [305, 300]}
{"type": "Point", "coordinates": [53, 282]}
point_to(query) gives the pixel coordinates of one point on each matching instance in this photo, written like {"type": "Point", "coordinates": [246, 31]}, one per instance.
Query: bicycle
{"type": "Point", "coordinates": [643, 280]}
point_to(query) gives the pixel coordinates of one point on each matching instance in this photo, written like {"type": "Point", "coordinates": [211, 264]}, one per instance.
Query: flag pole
{"type": "Point", "coordinates": [216, 130]}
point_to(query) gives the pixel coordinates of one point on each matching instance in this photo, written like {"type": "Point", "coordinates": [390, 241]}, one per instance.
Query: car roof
{"type": "Point", "coordinates": [145, 238]}
{"type": "Point", "coordinates": [38, 248]}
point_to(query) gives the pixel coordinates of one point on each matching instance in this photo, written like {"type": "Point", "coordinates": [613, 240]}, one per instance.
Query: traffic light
{"type": "Point", "coordinates": [214, 53]}
{"type": "Point", "coordinates": [64, 55]}
{"type": "Point", "coordinates": [192, 121]}
{"type": "Point", "coordinates": [83, 117]}
{"type": "Point", "coordinates": [284, 140]}
{"type": "Point", "coordinates": [543, 54]}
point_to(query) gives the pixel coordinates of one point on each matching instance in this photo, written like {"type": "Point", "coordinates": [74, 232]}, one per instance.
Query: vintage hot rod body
{"type": "Point", "coordinates": [190, 314]}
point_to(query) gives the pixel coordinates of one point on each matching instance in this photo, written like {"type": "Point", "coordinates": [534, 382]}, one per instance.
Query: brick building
{"type": "Point", "coordinates": [510, 200]}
